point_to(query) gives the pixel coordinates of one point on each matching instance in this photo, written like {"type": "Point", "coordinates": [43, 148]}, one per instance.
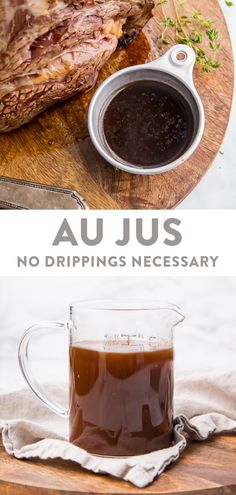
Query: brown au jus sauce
{"type": "Point", "coordinates": [120, 398]}
{"type": "Point", "coordinates": [148, 123]}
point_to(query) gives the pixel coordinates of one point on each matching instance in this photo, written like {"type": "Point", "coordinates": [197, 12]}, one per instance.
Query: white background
{"type": "Point", "coordinates": [206, 339]}
{"type": "Point", "coordinates": [32, 234]}
{"type": "Point", "coordinates": [217, 189]}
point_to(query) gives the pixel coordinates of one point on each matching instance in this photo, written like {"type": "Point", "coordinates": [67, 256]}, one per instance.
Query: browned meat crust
{"type": "Point", "coordinates": [52, 49]}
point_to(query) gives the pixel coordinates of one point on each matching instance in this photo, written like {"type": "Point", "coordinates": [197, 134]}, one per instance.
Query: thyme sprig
{"type": "Point", "coordinates": [193, 29]}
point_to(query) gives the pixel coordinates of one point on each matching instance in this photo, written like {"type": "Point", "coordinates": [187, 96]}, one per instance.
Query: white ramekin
{"type": "Point", "coordinates": [175, 69]}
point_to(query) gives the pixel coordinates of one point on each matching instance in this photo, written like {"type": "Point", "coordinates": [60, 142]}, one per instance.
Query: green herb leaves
{"type": "Point", "coordinates": [192, 29]}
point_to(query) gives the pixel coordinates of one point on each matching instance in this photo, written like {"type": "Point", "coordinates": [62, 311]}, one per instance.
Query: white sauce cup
{"type": "Point", "coordinates": [174, 69]}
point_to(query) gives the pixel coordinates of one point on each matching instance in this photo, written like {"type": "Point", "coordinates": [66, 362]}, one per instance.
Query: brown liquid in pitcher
{"type": "Point", "coordinates": [121, 397]}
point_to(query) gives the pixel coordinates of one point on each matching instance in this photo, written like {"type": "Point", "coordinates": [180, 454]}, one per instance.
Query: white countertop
{"type": "Point", "coordinates": [217, 188]}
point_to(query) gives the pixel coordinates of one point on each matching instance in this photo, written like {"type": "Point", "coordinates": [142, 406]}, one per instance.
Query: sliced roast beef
{"type": "Point", "coordinates": [52, 49]}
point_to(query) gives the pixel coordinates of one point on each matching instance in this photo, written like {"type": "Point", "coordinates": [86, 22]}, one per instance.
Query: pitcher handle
{"type": "Point", "coordinates": [25, 368]}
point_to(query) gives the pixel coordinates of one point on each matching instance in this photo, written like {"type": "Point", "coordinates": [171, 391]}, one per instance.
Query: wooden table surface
{"type": "Point", "coordinates": [205, 468]}
{"type": "Point", "coordinates": [55, 148]}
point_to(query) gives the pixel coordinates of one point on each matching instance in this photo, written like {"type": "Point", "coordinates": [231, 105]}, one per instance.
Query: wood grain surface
{"type": "Point", "coordinates": [55, 148]}
{"type": "Point", "coordinates": [205, 468]}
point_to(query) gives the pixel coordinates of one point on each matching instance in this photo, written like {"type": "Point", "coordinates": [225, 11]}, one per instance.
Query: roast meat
{"type": "Point", "coordinates": [52, 49]}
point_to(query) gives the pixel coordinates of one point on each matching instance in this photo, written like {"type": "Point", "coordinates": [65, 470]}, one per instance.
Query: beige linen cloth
{"type": "Point", "coordinates": [205, 404]}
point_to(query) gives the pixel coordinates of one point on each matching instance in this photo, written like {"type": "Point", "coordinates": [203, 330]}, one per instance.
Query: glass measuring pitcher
{"type": "Point", "coordinates": [121, 375]}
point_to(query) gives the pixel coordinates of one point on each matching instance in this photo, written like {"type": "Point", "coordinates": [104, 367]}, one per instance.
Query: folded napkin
{"type": "Point", "coordinates": [205, 404]}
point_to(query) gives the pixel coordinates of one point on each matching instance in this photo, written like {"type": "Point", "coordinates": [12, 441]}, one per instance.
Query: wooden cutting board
{"type": "Point", "coordinates": [207, 468]}
{"type": "Point", "coordinates": [55, 148]}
